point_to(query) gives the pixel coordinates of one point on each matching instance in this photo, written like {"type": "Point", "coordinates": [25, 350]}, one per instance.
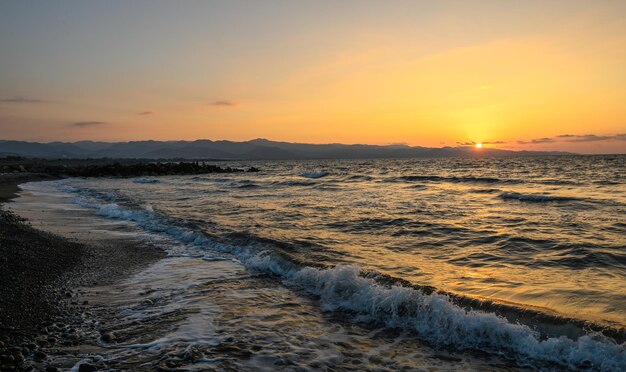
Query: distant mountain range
{"type": "Point", "coordinates": [258, 149]}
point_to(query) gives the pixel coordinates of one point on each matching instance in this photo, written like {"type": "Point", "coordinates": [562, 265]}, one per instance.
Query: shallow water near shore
{"type": "Point", "coordinates": [297, 266]}
{"type": "Point", "coordinates": [203, 311]}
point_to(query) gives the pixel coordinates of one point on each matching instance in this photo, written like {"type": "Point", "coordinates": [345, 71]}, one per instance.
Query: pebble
{"type": "Point", "coordinates": [108, 337]}
{"type": "Point", "coordinates": [375, 359]}
{"type": "Point", "coordinates": [19, 358]}
{"type": "Point", "coordinates": [39, 356]}
{"type": "Point", "coordinates": [86, 367]}
{"type": "Point", "coordinates": [170, 363]}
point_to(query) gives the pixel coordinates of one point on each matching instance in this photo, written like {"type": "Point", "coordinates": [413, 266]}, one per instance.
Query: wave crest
{"type": "Point", "coordinates": [314, 174]}
{"type": "Point", "coordinates": [436, 318]}
{"type": "Point", "coordinates": [535, 198]}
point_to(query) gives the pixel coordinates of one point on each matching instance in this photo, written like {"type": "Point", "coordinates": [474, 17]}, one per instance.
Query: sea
{"type": "Point", "coordinates": [387, 264]}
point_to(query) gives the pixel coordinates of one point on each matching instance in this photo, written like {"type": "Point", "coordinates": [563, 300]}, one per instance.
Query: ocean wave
{"type": "Point", "coordinates": [535, 198]}
{"type": "Point", "coordinates": [248, 186]}
{"type": "Point", "coordinates": [432, 316]}
{"type": "Point", "coordinates": [454, 179]}
{"type": "Point", "coordinates": [484, 191]}
{"type": "Point", "coordinates": [146, 180]}
{"type": "Point", "coordinates": [607, 182]}
{"type": "Point", "coordinates": [245, 184]}
{"type": "Point", "coordinates": [484, 180]}
{"type": "Point", "coordinates": [295, 183]}
{"type": "Point", "coordinates": [314, 174]}
{"type": "Point", "coordinates": [360, 177]}
{"type": "Point", "coordinates": [211, 179]}
{"type": "Point", "coordinates": [556, 182]}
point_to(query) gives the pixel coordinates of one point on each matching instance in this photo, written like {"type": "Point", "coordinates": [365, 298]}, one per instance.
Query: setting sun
{"type": "Point", "coordinates": [479, 145]}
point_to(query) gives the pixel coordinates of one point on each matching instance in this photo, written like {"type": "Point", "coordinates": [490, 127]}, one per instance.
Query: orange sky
{"type": "Point", "coordinates": [520, 75]}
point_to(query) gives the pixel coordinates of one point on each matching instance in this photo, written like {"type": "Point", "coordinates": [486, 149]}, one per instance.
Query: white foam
{"type": "Point", "coordinates": [435, 318]}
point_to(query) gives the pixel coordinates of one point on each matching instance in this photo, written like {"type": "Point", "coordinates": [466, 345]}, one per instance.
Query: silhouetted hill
{"type": "Point", "coordinates": [258, 149]}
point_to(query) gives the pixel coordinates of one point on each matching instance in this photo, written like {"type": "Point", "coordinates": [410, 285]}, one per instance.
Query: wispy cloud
{"type": "Point", "coordinates": [575, 138]}
{"type": "Point", "coordinates": [224, 103]}
{"type": "Point", "coordinates": [587, 138]}
{"type": "Point", "coordinates": [81, 124]}
{"type": "Point", "coordinates": [536, 141]}
{"type": "Point", "coordinates": [144, 113]}
{"type": "Point", "coordinates": [493, 142]}
{"type": "Point", "coordinates": [22, 99]}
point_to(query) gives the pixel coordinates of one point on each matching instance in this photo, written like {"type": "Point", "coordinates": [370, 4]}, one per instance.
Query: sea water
{"type": "Point", "coordinates": [374, 264]}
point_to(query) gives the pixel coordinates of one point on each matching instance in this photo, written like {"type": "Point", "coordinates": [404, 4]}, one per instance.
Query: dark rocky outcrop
{"type": "Point", "coordinates": [110, 168]}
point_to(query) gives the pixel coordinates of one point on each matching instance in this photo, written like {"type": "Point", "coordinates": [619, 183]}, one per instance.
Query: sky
{"type": "Point", "coordinates": [521, 75]}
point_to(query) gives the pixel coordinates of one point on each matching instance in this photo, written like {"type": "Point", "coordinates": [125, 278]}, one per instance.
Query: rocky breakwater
{"type": "Point", "coordinates": [111, 168]}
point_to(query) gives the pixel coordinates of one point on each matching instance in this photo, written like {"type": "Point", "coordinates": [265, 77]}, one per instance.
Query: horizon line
{"type": "Point", "coordinates": [485, 147]}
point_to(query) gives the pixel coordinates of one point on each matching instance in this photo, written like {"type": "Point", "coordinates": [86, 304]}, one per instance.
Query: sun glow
{"type": "Point", "coordinates": [479, 145]}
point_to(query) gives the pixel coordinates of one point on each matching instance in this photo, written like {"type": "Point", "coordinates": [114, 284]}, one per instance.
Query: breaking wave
{"type": "Point", "coordinates": [434, 317]}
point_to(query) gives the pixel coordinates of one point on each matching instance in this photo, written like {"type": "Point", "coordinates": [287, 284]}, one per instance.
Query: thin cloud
{"type": "Point", "coordinates": [575, 138]}
{"type": "Point", "coordinates": [224, 103]}
{"type": "Point", "coordinates": [82, 124]}
{"type": "Point", "coordinates": [494, 142]}
{"type": "Point", "coordinates": [145, 113]}
{"type": "Point", "coordinates": [588, 138]}
{"type": "Point", "coordinates": [21, 99]}
{"type": "Point", "coordinates": [536, 141]}
{"type": "Point", "coordinates": [466, 143]}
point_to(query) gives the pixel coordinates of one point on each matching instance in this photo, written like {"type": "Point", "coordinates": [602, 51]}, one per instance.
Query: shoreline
{"type": "Point", "coordinates": [9, 183]}
{"type": "Point", "coordinates": [42, 275]}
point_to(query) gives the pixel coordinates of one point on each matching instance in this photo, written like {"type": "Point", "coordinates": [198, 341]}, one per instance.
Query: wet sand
{"type": "Point", "coordinates": [42, 275]}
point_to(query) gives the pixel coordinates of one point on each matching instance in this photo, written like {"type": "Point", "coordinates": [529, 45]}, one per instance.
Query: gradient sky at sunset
{"type": "Point", "coordinates": [512, 74]}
